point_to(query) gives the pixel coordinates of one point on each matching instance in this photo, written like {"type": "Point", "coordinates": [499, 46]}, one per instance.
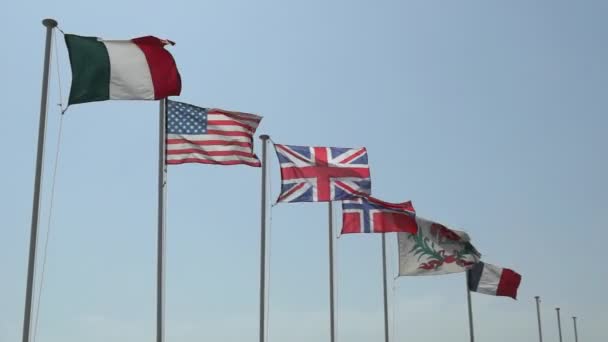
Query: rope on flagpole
{"type": "Point", "coordinates": [60, 104]}
{"type": "Point", "coordinates": [336, 282]}
{"type": "Point", "coordinates": [393, 300]}
{"type": "Point", "coordinates": [51, 203]}
{"type": "Point", "coordinates": [273, 203]}
{"type": "Point", "coordinates": [269, 248]}
{"type": "Point", "coordinates": [338, 228]}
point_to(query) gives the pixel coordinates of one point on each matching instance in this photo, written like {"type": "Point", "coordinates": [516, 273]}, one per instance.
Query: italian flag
{"type": "Point", "coordinates": [136, 69]}
{"type": "Point", "coordinates": [493, 280]}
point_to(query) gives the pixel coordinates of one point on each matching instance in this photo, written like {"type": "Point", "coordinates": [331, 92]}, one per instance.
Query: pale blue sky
{"type": "Point", "coordinates": [489, 115]}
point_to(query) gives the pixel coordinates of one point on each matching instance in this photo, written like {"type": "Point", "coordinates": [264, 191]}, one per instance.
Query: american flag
{"type": "Point", "coordinates": [371, 215]}
{"type": "Point", "coordinates": [210, 135]}
{"type": "Point", "coordinates": [322, 174]}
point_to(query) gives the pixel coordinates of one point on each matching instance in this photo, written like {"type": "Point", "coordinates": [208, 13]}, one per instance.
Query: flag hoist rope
{"type": "Point", "coordinates": [384, 288]}
{"type": "Point", "coordinates": [332, 327]}
{"type": "Point", "coordinates": [338, 231]}
{"type": "Point", "coordinates": [162, 196]}
{"type": "Point", "coordinates": [48, 233]}
{"type": "Point", "coordinates": [268, 258]}
{"type": "Point", "coordinates": [470, 307]}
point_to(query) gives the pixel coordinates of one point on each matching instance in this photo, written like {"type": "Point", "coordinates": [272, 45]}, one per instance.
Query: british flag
{"type": "Point", "coordinates": [371, 215]}
{"type": "Point", "coordinates": [322, 174]}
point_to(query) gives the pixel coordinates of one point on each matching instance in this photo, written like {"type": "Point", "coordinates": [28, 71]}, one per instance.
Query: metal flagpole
{"type": "Point", "coordinates": [50, 24]}
{"type": "Point", "coordinates": [264, 139]}
{"type": "Point", "coordinates": [540, 330]}
{"type": "Point", "coordinates": [575, 332]}
{"type": "Point", "coordinates": [331, 274]}
{"type": "Point", "coordinates": [559, 325]}
{"type": "Point", "coordinates": [160, 259]}
{"type": "Point", "coordinates": [471, 330]}
{"type": "Point", "coordinates": [385, 287]}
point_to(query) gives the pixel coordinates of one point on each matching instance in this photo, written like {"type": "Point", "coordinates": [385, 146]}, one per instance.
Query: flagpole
{"type": "Point", "coordinates": [331, 274]}
{"type": "Point", "coordinates": [50, 24]}
{"type": "Point", "coordinates": [264, 139]}
{"type": "Point", "coordinates": [575, 332]}
{"type": "Point", "coordinates": [385, 287]}
{"type": "Point", "coordinates": [471, 330]}
{"type": "Point", "coordinates": [160, 259]}
{"type": "Point", "coordinates": [540, 330]}
{"type": "Point", "coordinates": [559, 325]}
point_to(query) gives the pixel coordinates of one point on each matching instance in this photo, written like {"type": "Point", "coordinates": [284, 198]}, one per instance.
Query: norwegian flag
{"type": "Point", "coordinates": [322, 174]}
{"type": "Point", "coordinates": [371, 215]}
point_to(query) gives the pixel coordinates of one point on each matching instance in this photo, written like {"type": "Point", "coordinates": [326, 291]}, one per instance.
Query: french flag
{"type": "Point", "coordinates": [493, 280]}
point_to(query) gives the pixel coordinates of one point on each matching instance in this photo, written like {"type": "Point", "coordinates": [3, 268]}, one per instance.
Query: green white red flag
{"type": "Point", "coordinates": [136, 69]}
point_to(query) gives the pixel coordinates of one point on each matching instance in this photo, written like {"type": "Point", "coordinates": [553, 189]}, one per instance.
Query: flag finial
{"type": "Point", "coordinates": [49, 22]}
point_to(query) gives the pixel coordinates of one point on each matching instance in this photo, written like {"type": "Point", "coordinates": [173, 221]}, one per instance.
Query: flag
{"type": "Point", "coordinates": [209, 135]}
{"type": "Point", "coordinates": [136, 69]}
{"type": "Point", "coordinates": [493, 280]}
{"type": "Point", "coordinates": [322, 174]}
{"type": "Point", "coordinates": [435, 249]}
{"type": "Point", "coordinates": [371, 215]}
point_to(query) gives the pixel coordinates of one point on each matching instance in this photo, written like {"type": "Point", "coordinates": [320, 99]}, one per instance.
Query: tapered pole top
{"type": "Point", "coordinates": [264, 137]}
{"type": "Point", "coordinates": [50, 23]}
{"type": "Point", "coordinates": [557, 309]}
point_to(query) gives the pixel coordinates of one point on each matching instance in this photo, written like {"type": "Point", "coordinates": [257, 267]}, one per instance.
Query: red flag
{"type": "Point", "coordinates": [371, 215]}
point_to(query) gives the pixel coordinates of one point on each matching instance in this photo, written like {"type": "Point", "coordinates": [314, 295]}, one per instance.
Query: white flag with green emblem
{"type": "Point", "coordinates": [435, 250]}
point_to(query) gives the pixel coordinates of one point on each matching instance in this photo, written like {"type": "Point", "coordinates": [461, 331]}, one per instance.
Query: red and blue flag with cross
{"type": "Point", "coordinates": [371, 215]}
{"type": "Point", "coordinates": [322, 174]}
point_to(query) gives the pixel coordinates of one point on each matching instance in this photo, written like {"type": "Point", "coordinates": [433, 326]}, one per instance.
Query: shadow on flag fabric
{"type": "Point", "coordinates": [322, 174]}
{"type": "Point", "coordinates": [434, 250]}
{"type": "Point", "coordinates": [136, 69]}
{"type": "Point", "coordinates": [209, 135]}
{"type": "Point", "coordinates": [493, 280]}
{"type": "Point", "coordinates": [371, 215]}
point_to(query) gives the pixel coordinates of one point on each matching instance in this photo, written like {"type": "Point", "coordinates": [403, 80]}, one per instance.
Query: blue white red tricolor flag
{"type": "Point", "coordinates": [371, 215]}
{"type": "Point", "coordinates": [209, 135]}
{"type": "Point", "coordinates": [493, 280]}
{"type": "Point", "coordinates": [322, 174]}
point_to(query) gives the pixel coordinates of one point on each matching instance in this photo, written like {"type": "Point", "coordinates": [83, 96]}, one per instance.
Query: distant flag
{"type": "Point", "coordinates": [210, 135]}
{"type": "Point", "coordinates": [435, 249]}
{"type": "Point", "coordinates": [493, 280]}
{"type": "Point", "coordinates": [371, 215]}
{"type": "Point", "coordinates": [322, 174]}
{"type": "Point", "coordinates": [136, 69]}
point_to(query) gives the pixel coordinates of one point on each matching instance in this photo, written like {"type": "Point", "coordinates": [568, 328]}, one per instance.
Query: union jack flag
{"type": "Point", "coordinates": [322, 174]}
{"type": "Point", "coordinates": [371, 215]}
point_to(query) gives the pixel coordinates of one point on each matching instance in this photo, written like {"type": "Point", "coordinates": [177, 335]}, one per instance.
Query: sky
{"type": "Point", "coordinates": [489, 115]}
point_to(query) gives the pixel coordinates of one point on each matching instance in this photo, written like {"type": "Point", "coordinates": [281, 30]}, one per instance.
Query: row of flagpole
{"type": "Point", "coordinates": [559, 323]}
{"type": "Point", "coordinates": [50, 24]}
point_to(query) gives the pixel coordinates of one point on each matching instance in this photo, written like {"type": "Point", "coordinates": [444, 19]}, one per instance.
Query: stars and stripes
{"type": "Point", "coordinates": [371, 215]}
{"type": "Point", "coordinates": [322, 174]}
{"type": "Point", "coordinates": [209, 135]}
